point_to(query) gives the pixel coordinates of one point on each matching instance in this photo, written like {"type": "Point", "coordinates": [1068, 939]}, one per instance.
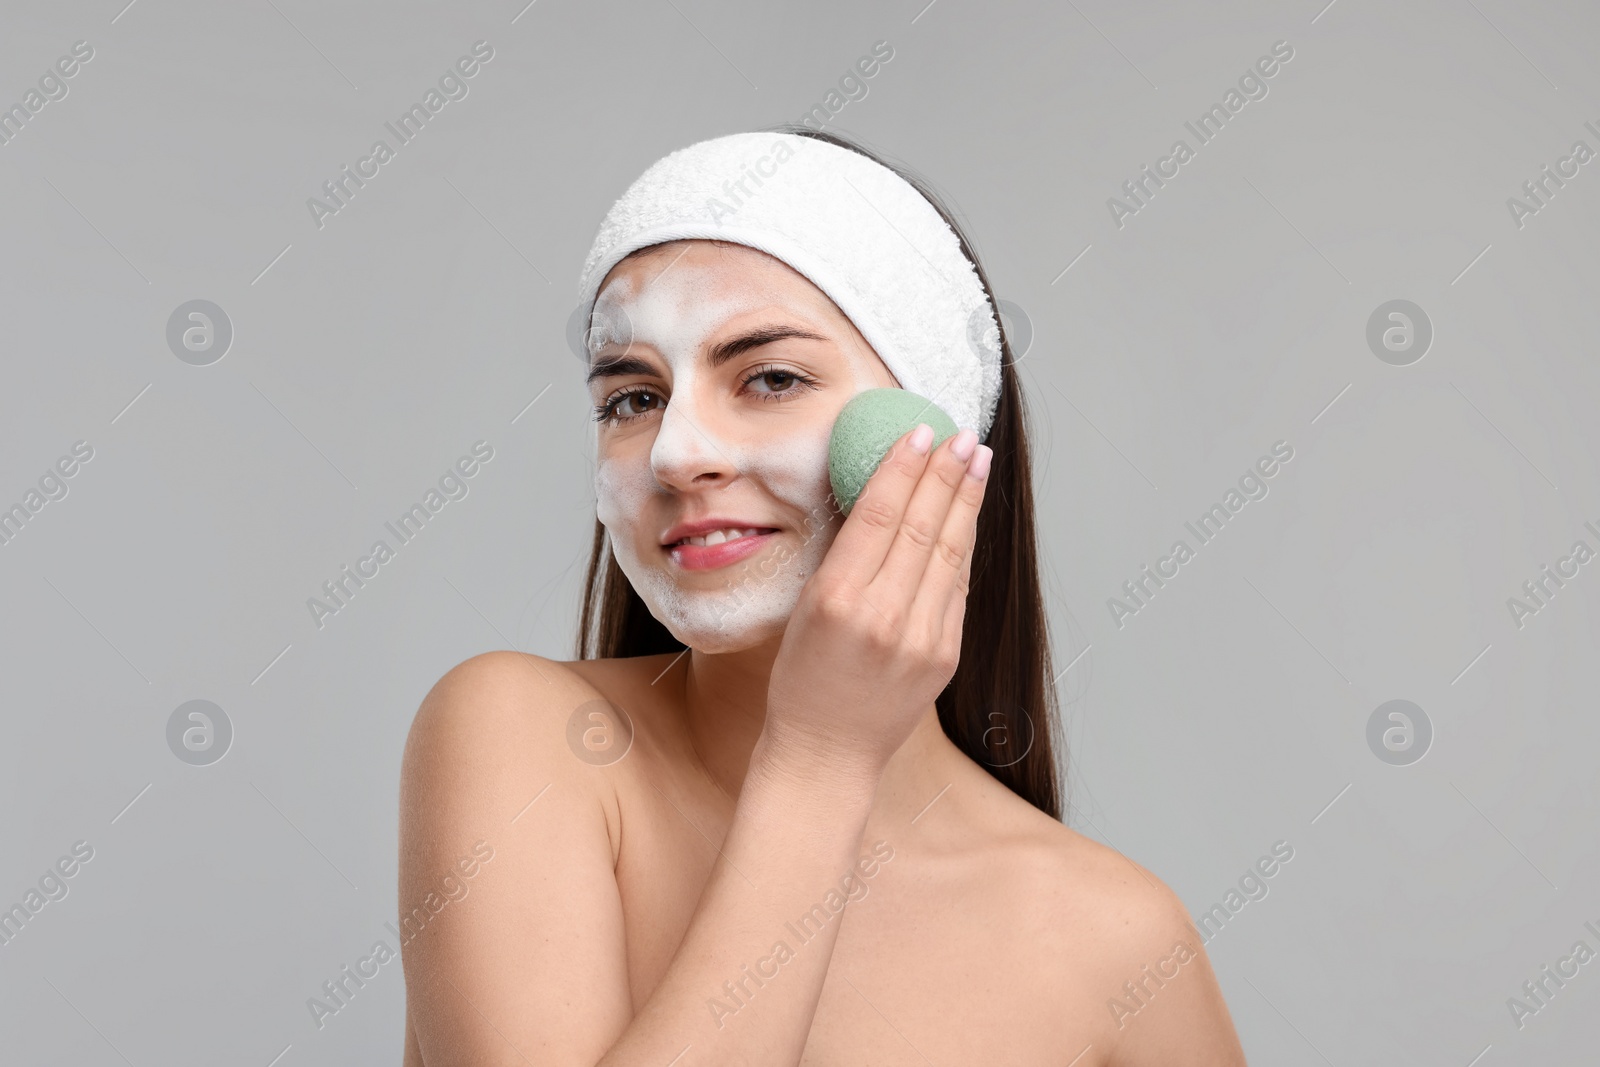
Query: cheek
{"type": "Point", "coordinates": [795, 466]}
{"type": "Point", "coordinates": [621, 488]}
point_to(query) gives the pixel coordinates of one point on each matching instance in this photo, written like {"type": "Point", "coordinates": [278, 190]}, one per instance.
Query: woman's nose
{"type": "Point", "coordinates": [689, 451]}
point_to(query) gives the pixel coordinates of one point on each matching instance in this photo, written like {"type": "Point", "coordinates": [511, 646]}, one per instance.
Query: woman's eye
{"type": "Point", "coordinates": [628, 405]}
{"type": "Point", "coordinates": [777, 381]}
{"type": "Point", "coordinates": [636, 403]}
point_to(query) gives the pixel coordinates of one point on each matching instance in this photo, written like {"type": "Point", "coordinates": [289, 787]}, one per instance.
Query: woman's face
{"type": "Point", "coordinates": [717, 374]}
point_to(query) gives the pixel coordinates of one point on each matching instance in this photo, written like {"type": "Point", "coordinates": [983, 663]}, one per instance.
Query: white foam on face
{"type": "Point", "coordinates": [775, 470]}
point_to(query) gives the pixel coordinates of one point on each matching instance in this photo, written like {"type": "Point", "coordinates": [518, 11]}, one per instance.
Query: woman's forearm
{"type": "Point", "coordinates": [743, 985]}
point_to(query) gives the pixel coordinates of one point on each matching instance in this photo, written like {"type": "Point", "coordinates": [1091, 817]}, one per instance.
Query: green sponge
{"type": "Point", "coordinates": [865, 429]}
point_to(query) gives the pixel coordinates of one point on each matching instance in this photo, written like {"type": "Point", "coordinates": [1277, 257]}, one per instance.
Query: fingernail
{"type": "Point", "coordinates": [979, 468]}
{"type": "Point", "coordinates": [964, 443]}
{"type": "Point", "coordinates": [922, 437]}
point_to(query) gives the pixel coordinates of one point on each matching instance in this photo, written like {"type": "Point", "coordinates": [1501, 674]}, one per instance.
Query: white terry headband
{"type": "Point", "coordinates": [860, 232]}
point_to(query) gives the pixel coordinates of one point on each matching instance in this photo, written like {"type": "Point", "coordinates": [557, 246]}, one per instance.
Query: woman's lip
{"type": "Point", "coordinates": [710, 557]}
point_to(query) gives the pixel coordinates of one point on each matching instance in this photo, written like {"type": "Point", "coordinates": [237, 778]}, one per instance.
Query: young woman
{"type": "Point", "coordinates": [796, 800]}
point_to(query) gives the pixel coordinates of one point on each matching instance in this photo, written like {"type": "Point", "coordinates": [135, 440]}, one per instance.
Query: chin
{"type": "Point", "coordinates": [731, 619]}
{"type": "Point", "coordinates": [717, 643]}
{"type": "Point", "coordinates": [717, 623]}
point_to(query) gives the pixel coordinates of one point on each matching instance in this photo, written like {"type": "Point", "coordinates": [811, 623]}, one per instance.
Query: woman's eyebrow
{"type": "Point", "coordinates": [723, 351]}
{"type": "Point", "coordinates": [720, 353]}
{"type": "Point", "coordinates": [617, 366]}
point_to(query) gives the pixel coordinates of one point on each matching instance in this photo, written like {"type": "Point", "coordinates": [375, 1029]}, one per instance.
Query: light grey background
{"type": "Point", "coordinates": [1228, 314]}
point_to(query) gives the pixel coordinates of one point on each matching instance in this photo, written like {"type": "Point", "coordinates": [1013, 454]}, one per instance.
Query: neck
{"type": "Point", "coordinates": [725, 708]}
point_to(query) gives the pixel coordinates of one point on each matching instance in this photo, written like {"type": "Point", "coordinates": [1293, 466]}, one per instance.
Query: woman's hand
{"type": "Point", "coordinates": [873, 640]}
{"type": "Point", "coordinates": [876, 633]}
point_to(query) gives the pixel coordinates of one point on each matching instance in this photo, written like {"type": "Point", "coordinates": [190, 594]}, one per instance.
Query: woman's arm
{"type": "Point", "coordinates": [531, 961]}
{"type": "Point", "coordinates": [530, 966]}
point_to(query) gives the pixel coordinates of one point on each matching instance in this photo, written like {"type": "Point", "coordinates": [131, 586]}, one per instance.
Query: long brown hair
{"type": "Point", "coordinates": [1000, 707]}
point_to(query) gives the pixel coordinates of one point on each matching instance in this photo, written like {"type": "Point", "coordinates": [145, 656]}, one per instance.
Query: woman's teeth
{"type": "Point", "coordinates": [717, 537]}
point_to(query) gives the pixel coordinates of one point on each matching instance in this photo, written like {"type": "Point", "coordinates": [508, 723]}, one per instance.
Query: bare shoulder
{"type": "Point", "coordinates": [1079, 892]}
{"type": "Point", "coordinates": [506, 709]}
{"type": "Point", "coordinates": [1083, 888]}
{"type": "Point", "coordinates": [1131, 954]}
{"type": "Point", "coordinates": [515, 690]}
{"type": "Point", "coordinates": [1119, 966]}
{"type": "Point", "coordinates": [1105, 894]}
{"type": "Point", "coordinates": [508, 670]}
{"type": "Point", "coordinates": [499, 693]}
{"type": "Point", "coordinates": [491, 727]}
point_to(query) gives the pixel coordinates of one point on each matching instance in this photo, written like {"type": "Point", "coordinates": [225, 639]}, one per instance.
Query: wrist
{"type": "Point", "coordinates": [793, 768]}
